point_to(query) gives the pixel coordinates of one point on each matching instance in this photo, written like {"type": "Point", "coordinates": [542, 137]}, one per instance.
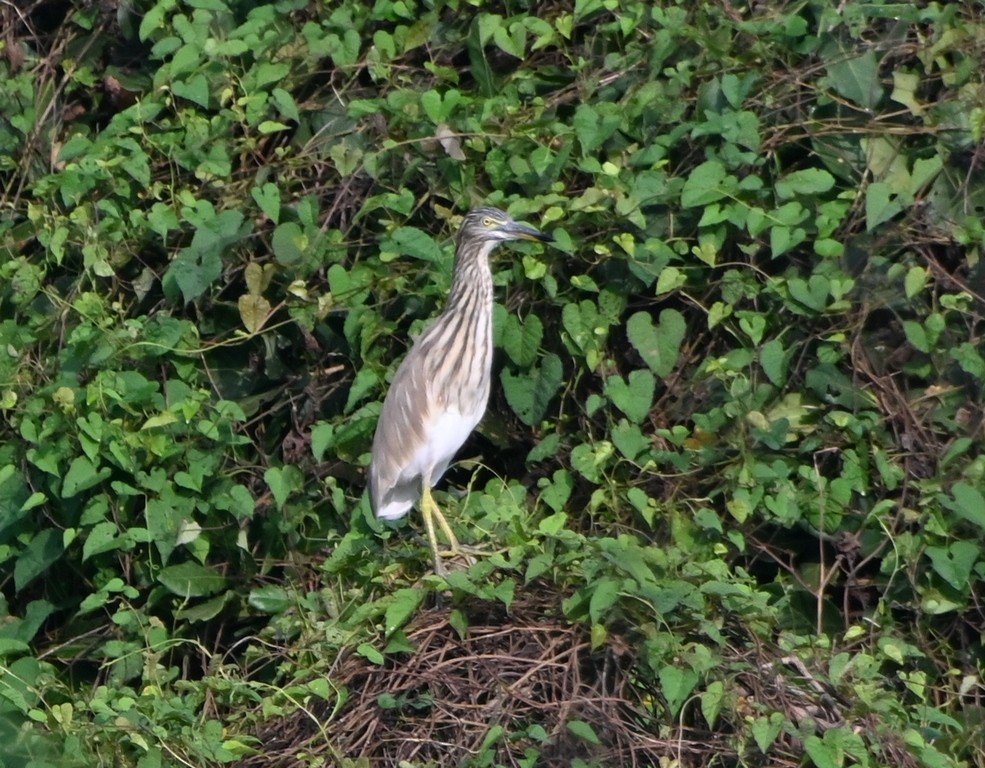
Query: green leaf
{"type": "Point", "coordinates": [511, 39]}
{"type": "Point", "coordinates": [268, 198]}
{"type": "Point", "coordinates": [102, 538]}
{"type": "Point", "coordinates": [344, 50]}
{"type": "Point", "coordinates": [347, 157]}
{"type": "Point", "coordinates": [583, 731]}
{"type": "Point", "coordinates": [916, 335]}
{"type": "Point", "coordinates": [752, 324]}
{"type": "Point", "coordinates": [199, 265]}
{"type": "Point", "coordinates": [529, 396]}
{"type": "Point", "coordinates": [493, 735]}
{"type": "Point", "coordinates": [659, 346]}
{"type": "Point", "coordinates": [915, 282]}
{"type": "Point", "coordinates": [283, 481]}
{"type": "Point", "coordinates": [552, 525]}
{"type": "Point", "coordinates": [905, 86]}
{"type": "Point", "coordinates": [413, 242]}
{"type": "Point", "coordinates": [954, 563]}
{"type": "Point", "coordinates": [160, 420]}
{"type": "Point", "coordinates": [812, 293]}
{"type": "Point", "coordinates": [957, 449]}
{"type": "Point", "coordinates": [584, 8]}
{"type": "Point", "coordinates": [881, 205]}
{"type": "Point", "coordinates": [82, 475]}
{"type": "Point", "coordinates": [790, 214]}
{"type": "Point", "coordinates": [743, 503]}
{"type": "Point", "coordinates": [556, 491]}
{"type": "Point", "coordinates": [207, 609]}
{"type": "Point", "coordinates": [635, 398]}
{"type": "Point", "coordinates": [968, 503]}
{"type": "Point", "coordinates": [670, 279]}
{"type": "Point", "coordinates": [36, 499]}
{"type": "Point", "coordinates": [271, 599]}
{"type": "Point", "coordinates": [765, 730]}
{"type": "Point", "coordinates": [604, 595]}
{"type": "Point", "coordinates": [546, 448]}
{"type": "Point", "coordinates": [522, 339]}
{"type": "Point", "coordinates": [487, 24]}
{"type": "Point", "coordinates": [594, 125]}
{"type": "Point", "coordinates": [706, 184]}
{"type": "Point", "coordinates": [431, 103]}
{"type": "Point", "coordinates": [401, 606]}
{"type": "Point", "coordinates": [238, 501]}
{"type": "Point", "coordinates": [774, 359]}
{"type": "Point", "coordinates": [629, 439]}
{"type": "Point", "coordinates": [164, 518]}
{"type": "Point", "coordinates": [232, 48]}
{"type": "Point", "coordinates": [11, 647]}
{"type": "Point", "coordinates": [322, 438]}
{"type": "Point", "coordinates": [712, 699]}
{"type": "Point", "coordinates": [479, 35]}
{"type": "Point", "coordinates": [257, 278]}
{"type": "Point", "coordinates": [286, 104]}
{"type": "Point", "coordinates": [370, 653]}
{"type": "Point", "coordinates": [289, 244]}
{"type": "Point", "coordinates": [894, 649]}
{"type": "Point", "coordinates": [810, 181]}
{"type": "Point", "coordinates": [591, 459]}
{"type": "Point", "coordinates": [925, 169]}
{"type": "Point", "coordinates": [153, 20]}
{"type": "Point", "coordinates": [782, 239]}
{"type": "Point", "coordinates": [856, 78]}
{"type": "Point", "coordinates": [537, 566]}
{"type": "Point", "coordinates": [195, 89]}
{"type": "Point", "coordinates": [43, 550]}
{"type": "Point", "coordinates": [822, 753]}
{"type": "Point", "coordinates": [587, 329]}
{"type": "Point", "coordinates": [210, 5]}
{"type": "Point", "coordinates": [191, 580]}
{"type": "Point", "coordinates": [271, 126]}
{"type": "Point", "coordinates": [676, 684]}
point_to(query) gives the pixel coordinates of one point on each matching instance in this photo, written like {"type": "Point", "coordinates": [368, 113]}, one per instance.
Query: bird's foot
{"type": "Point", "coordinates": [473, 550]}
{"type": "Point", "coordinates": [462, 556]}
{"type": "Point", "coordinates": [458, 559]}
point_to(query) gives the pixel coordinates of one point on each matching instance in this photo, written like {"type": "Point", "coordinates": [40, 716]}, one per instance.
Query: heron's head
{"type": "Point", "coordinates": [491, 225]}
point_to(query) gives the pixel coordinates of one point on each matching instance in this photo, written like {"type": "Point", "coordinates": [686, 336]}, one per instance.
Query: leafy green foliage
{"type": "Point", "coordinates": [736, 407]}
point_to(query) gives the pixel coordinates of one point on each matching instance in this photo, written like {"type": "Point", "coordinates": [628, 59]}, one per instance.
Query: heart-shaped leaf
{"type": "Point", "coordinates": [521, 339]}
{"type": "Point", "coordinates": [660, 345]}
{"type": "Point", "coordinates": [253, 311]}
{"type": "Point", "coordinates": [955, 562]}
{"type": "Point", "coordinates": [530, 395]}
{"type": "Point", "coordinates": [635, 397]}
{"type": "Point", "coordinates": [629, 439]}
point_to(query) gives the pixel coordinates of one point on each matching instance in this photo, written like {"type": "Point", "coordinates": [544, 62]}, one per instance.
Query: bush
{"type": "Point", "coordinates": [735, 432]}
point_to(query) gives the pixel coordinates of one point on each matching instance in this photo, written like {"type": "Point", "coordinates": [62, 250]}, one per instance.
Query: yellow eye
{"type": "Point", "coordinates": [487, 222]}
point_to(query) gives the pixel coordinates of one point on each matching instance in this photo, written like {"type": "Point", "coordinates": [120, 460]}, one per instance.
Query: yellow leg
{"type": "Point", "coordinates": [453, 546]}
{"type": "Point", "coordinates": [429, 510]}
{"type": "Point", "coordinates": [432, 514]}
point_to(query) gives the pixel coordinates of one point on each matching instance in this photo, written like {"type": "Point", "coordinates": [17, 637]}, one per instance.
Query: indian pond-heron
{"type": "Point", "coordinates": [441, 388]}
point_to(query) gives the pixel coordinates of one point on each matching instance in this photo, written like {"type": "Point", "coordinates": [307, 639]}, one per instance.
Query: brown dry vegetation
{"type": "Point", "coordinates": [735, 464]}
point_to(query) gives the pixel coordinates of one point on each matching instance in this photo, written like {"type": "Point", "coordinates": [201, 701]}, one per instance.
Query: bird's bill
{"type": "Point", "coordinates": [525, 232]}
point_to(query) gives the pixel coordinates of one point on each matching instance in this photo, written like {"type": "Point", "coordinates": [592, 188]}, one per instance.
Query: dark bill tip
{"type": "Point", "coordinates": [525, 232]}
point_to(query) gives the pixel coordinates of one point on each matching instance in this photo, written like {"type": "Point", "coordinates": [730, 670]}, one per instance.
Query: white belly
{"type": "Point", "coordinates": [446, 434]}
